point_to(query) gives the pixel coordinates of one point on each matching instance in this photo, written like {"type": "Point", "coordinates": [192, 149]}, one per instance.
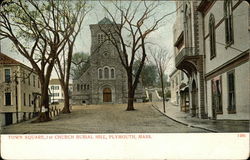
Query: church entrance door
{"type": "Point", "coordinates": [107, 95]}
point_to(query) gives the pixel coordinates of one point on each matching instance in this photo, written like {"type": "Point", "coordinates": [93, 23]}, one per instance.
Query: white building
{"type": "Point", "coordinates": [19, 91]}
{"type": "Point", "coordinates": [56, 91]}
{"type": "Point", "coordinates": [179, 80]}
{"type": "Point", "coordinates": [226, 45]}
{"type": "Point", "coordinates": [212, 48]}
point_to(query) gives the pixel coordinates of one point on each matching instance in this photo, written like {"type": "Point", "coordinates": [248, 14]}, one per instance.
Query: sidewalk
{"type": "Point", "coordinates": [174, 113]}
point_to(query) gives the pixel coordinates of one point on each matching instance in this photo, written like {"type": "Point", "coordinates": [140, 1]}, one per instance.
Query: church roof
{"type": "Point", "coordinates": [105, 20]}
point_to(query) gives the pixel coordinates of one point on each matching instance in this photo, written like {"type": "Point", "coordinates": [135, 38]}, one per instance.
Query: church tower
{"type": "Point", "coordinates": [109, 78]}
{"type": "Point", "coordinates": [105, 79]}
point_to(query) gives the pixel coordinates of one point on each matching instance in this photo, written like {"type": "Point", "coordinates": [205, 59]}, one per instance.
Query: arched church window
{"type": "Point", "coordinates": [101, 37]}
{"type": "Point", "coordinates": [112, 73]}
{"type": "Point", "coordinates": [87, 86]}
{"type": "Point", "coordinates": [100, 73]}
{"type": "Point", "coordinates": [106, 73]}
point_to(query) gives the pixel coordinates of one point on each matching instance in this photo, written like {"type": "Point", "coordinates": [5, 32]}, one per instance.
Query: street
{"type": "Point", "coordinates": [106, 118]}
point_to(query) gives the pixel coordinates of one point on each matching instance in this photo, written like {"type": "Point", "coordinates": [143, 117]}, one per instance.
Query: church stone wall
{"type": "Point", "coordinates": [103, 55]}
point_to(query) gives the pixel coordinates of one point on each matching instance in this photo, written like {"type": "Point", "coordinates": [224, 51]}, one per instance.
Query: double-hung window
{"type": "Point", "coordinates": [228, 14]}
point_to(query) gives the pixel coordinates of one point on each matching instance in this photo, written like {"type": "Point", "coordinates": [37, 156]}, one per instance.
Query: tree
{"type": "Point", "coordinates": [148, 74]}
{"type": "Point", "coordinates": [80, 63]}
{"type": "Point", "coordinates": [160, 58]}
{"type": "Point", "coordinates": [63, 64]}
{"type": "Point", "coordinates": [38, 32]}
{"type": "Point", "coordinates": [133, 22]}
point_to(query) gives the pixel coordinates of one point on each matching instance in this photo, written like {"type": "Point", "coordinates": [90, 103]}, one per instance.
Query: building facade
{"type": "Point", "coordinates": [179, 80]}
{"type": "Point", "coordinates": [56, 91]}
{"type": "Point", "coordinates": [214, 54]}
{"type": "Point", "coordinates": [105, 79]}
{"type": "Point", "coordinates": [226, 46]}
{"type": "Point", "coordinates": [174, 87]}
{"type": "Point", "coordinates": [20, 91]}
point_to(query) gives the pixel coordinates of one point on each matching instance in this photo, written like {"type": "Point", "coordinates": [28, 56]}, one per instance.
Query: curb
{"type": "Point", "coordinates": [183, 123]}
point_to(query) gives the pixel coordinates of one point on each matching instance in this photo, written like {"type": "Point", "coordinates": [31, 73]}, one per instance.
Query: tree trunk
{"type": "Point", "coordinates": [131, 94]}
{"type": "Point", "coordinates": [163, 93]}
{"type": "Point", "coordinates": [66, 108]}
{"type": "Point", "coordinates": [44, 113]}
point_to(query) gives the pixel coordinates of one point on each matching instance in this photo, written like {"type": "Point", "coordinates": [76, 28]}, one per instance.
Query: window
{"type": "Point", "coordinates": [81, 87]}
{"type": "Point", "coordinates": [228, 13]}
{"type": "Point", "coordinates": [24, 99]}
{"type": "Point", "coordinates": [231, 92]}
{"type": "Point", "coordinates": [29, 100]}
{"type": "Point", "coordinates": [85, 87]}
{"type": "Point", "coordinates": [24, 77]}
{"type": "Point", "coordinates": [187, 26]}
{"type": "Point", "coordinates": [78, 87]}
{"type": "Point", "coordinates": [105, 54]}
{"type": "Point", "coordinates": [29, 80]}
{"type": "Point", "coordinates": [212, 36]}
{"type": "Point", "coordinates": [112, 73]}
{"type": "Point", "coordinates": [100, 73]}
{"type": "Point", "coordinates": [34, 80]}
{"type": "Point", "coordinates": [55, 94]}
{"type": "Point", "coordinates": [56, 87]}
{"type": "Point", "coordinates": [8, 99]}
{"type": "Point", "coordinates": [108, 37]}
{"type": "Point", "coordinates": [100, 37]}
{"type": "Point", "coordinates": [106, 73]}
{"type": "Point", "coordinates": [7, 75]}
{"type": "Point", "coordinates": [217, 95]}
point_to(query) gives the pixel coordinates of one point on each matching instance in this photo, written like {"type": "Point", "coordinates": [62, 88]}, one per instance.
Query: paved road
{"type": "Point", "coordinates": [105, 119]}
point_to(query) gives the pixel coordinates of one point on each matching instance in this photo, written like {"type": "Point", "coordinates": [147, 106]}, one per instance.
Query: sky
{"type": "Point", "coordinates": [162, 37]}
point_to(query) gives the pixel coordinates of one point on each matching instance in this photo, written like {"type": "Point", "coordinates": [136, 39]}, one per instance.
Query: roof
{"type": "Point", "coordinates": [105, 20]}
{"type": "Point", "coordinates": [54, 81]}
{"type": "Point", "coordinates": [4, 59]}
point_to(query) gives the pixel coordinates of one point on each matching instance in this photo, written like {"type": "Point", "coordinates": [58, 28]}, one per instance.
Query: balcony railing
{"type": "Point", "coordinates": [185, 52]}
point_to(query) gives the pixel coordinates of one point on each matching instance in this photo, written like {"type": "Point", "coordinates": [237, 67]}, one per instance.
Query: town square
{"type": "Point", "coordinates": [124, 67]}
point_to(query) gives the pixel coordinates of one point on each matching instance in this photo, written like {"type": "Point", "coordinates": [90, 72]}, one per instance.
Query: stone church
{"type": "Point", "coordinates": [105, 79]}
